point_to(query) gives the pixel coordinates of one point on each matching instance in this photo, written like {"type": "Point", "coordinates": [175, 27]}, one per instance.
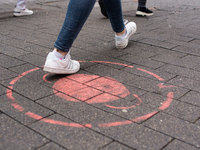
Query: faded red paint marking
{"type": "Point", "coordinates": [89, 88]}
{"type": "Point", "coordinates": [37, 117]}
{"type": "Point", "coordinates": [85, 94]}
{"type": "Point", "coordinates": [166, 103]}
{"type": "Point", "coordinates": [66, 123]}
{"type": "Point", "coordinates": [165, 86]}
{"type": "Point", "coordinates": [44, 78]}
{"type": "Point", "coordinates": [9, 94]}
{"type": "Point", "coordinates": [67, 86]}
{"type": "Point", "coordinates": [17, 106]}
{"type": "Point", "coordinates": [66, 97]}
{"type": "Point", "coordinates": [33, 115]}
{"type": "Point", "coordinates": [12, 99]}
{"type": "Point", "coordinates": [103, 98]}
{"type": "Point", "coordinates": [109, 86]}
{"type": "Point", "coordinates": [23, 74]}
{"type": "Point", "coordinates": [114, 107]}
{"type": "Point", "coordinates": [153, 74]}
{"type": "Point", "coordinates": [82, 78]}
{"type": "Point", "coordinates": [140, 101]}
{"type": "Point", "coordinates": [107, 62]}
{"type": "Point", "coordinates": [112, 124]}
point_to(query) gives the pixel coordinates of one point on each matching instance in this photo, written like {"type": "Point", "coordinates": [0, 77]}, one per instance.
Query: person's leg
{"type": "Point", "coordinates": [142, 3]}
{"type": "Point", "coordinates": [21, 10]}
{"type": "Point", "coordinates": [123, 33]}
{"type": "Point", "coordinates": [142, 10]}
{"type": "Point", "coordinates": [102, 8]}
{"type": "Point", "coordinates": [77, 13]}
{"type": "Point", "coordinates": [59, 61]}
{"type": "Point", "coordinates": [114, 11]}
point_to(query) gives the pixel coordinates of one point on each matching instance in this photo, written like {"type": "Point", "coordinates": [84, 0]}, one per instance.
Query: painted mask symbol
{"type": "Point", "coordinates": [91, 89]}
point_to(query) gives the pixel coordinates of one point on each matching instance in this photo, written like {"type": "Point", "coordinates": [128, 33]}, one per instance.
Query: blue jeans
{"type": "Point", "coordinates": [78, 12]}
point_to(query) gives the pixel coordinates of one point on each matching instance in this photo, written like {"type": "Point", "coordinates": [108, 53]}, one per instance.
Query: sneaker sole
{"type": "Point", "coordinates": [126, 41]}
{"type": "Point", "coordinates": [140, 13]}
{"type": "Point", "coordinates": [18, 14]}
{"type": "Point", "coordinates": [60, 71]}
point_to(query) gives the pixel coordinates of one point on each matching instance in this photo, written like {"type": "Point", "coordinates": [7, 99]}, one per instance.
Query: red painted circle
{"type": "Point", "coordinates": [93, 89]}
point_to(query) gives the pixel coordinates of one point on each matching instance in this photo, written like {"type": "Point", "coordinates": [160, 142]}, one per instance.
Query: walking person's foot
{"type": "Point", "coordinates": [143, 11]}
{"type": "Point", "coordinates": [22, 12]}
{"type": "Point", "coordinates": [63, 65]}
{"type": "Point", "coordinates": [122, 40]}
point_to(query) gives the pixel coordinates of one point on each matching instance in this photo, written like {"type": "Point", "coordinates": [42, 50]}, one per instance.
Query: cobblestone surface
{"type": "Point", "coordinates": [146, 96]}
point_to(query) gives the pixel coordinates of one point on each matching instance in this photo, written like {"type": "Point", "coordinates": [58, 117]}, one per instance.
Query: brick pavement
{"type": "Point", "coordinates": [143, 97]}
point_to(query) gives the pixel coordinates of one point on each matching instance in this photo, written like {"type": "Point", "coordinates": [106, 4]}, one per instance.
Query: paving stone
{"type": "Point", "coordinates": [71, 137]}
{"type": "Point", "coordinates": [191, 98]}
{"type": "Point", "coordinates": [190, 64]}
{"type": "Point", "coordinates": [115, 145]}
{"type": "Point", "coordinates": [166, 58]}
{"type": "Point", "coordinates": [12, 51]}
{"type": "Point", "coordinates": [33, 59]}
{"type": "Point", "coordinates": [51, 146]}
{"type": "Point", "coordinates": [110, 51]}
{"type": "Point", "coordinates": [187, 50]}
{"type": "Point", "coordinates": [159, 43]}
{"type": "Point", "coordinates": [10, 107]}
{"type": "Point", "coordinates": [39, 50]}
{"type": "Point", "coordinates": [183, 72]}
{"type": "Point", "coordinates": [144, 84]}
{"type": "Point", "coordinates": [149, 72]}
{"type": "Point", "coordinates": [23, 68]}
{"type": "Point", "coordinates": [175, 127]}
{"type": "Point", "coordinates": [186, 83]}
{"type": "Point", "coordinates": [18, 43]}
{"type": "Point", "coordinates": [137, 137]}
{"type": "Point", "coordinates": [139, 48]}
{"type": "Point", "coordinates": [6, 74]}
{"type": "Point", "coordinates": [183, 111]}
{"type": "Point", "coordinates": [29, 88]}
{"type": "Point", "coordinates": [31, 72]}
{"type": "Point", "coordinates": [176, 144]}
{"type": "Point", "coordinates": [2, 90]}
{"type": "Point", "coordinates": [105, 71]}
{"type": "Point", "coordinates": [17, 136]}
{"type": "Point", "coordinates": [7, 61]}
{"type": "Point", "coordinates": [152, 100]}
{"type": "Point", "coordinates": [165, 48]}
{"type": "Point", "coordinates": [80, 112]}
{"type": "Point", "coordinates": [129, 110]}
{"type": "Point", "coordinates": [142, 62]}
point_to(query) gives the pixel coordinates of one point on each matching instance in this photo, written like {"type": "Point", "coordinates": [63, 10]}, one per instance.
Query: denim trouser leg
{"type": "Point", "coordinates": [77, 13]}
{"type": "Point", "coordinates": [114, 11]}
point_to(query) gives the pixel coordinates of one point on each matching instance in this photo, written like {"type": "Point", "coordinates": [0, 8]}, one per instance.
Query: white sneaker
{"type": "Point", "coordinates": [122, 42]}
{"type": "Point", "coordinates": [22, 12]}
{"type": "Point", "coordinates": [61, 66]}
